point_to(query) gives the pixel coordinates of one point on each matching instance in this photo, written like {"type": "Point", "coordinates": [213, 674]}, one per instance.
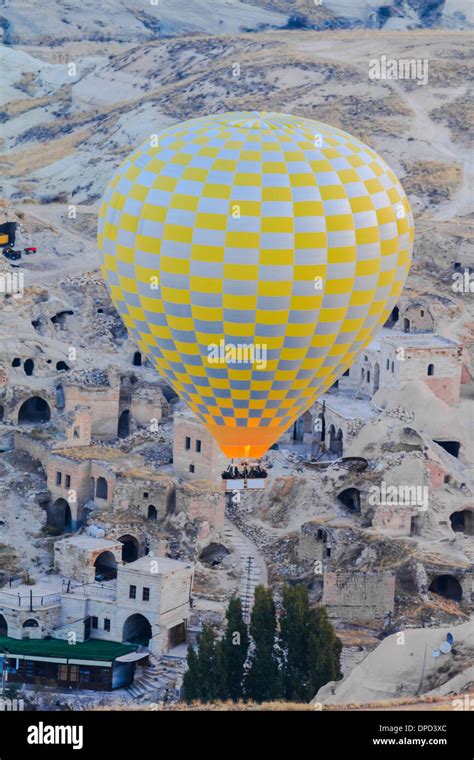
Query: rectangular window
{"type": "Point", "coordinates": [198, 446]}
{"type": "Point", "coordinates": [187, 443]}
{"type": "Point", "coordinates": [58, 478]}
{"type": "Point", "coordinates": [95, 621]}
{"type": "Point", "coordinates": [106, 624]}
{"type": "Point", "coordinates": [146, 594]}
{"type": "Point", "coordinates": [74, 673]}
{"type": "Point", "coordinates": [192, 468]}
{"type": "Point", "coordinates": [145, 494]}
{"type": "Point", "coordinates": [132, 594]}
{"type": "Point", "coordinates": [62, 673]}
{"type": "Point", "coordinates": [67, 482]}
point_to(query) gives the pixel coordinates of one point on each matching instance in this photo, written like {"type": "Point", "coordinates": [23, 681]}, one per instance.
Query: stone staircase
{"type": "Point", "coordinates": [158, 679]}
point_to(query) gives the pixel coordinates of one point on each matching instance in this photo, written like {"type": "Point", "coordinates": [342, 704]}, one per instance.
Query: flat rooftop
{"type": "Point", "coordinates": [89, 542]}
{"type": "Point", "coordinates": [343, 403]}
{"type": "Point", "coordinates": [420, 340]}
{"type": "Point", "coordinates": [165, 565]}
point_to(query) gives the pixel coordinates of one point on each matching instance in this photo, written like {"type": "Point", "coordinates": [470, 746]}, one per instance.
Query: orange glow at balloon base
{"type": "Point", "coordinates": [245, 443]}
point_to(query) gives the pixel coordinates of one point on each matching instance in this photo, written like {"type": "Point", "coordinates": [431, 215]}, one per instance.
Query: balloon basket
{"type": "Point", "coordinates": [247, 476]}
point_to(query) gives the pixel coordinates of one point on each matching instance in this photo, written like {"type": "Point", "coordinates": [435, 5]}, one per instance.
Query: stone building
{"type": "Point", "coordinates": [145, 602]}
{"type": "Point", "coordinates": [196, 455]}
{"type": "Point", "coordinates": [359, 595]}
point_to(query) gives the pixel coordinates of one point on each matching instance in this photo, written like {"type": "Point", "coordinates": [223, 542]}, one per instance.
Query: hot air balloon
{"type": "Point", "coordinates": [252, 256]}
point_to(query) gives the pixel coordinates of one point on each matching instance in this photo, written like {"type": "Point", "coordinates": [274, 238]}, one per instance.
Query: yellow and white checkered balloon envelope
{"type": "Point", "coordinates": [252, 256]}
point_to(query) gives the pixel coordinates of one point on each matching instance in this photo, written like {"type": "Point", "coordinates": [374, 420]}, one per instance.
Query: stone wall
{"type": "Point", "coordinates": [196, 456]}
{"type": "Point", "coordinates": [359, 595]}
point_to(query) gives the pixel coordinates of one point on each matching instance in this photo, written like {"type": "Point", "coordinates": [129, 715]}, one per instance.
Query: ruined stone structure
{"type": "Point", "coordinates": [196, 455]}
{"type": "Point", "coordinates": [359, 595]}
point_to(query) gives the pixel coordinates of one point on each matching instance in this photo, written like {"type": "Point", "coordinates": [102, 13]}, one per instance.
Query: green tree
{"type": "Point", "coordinates": [294, 640]}
{"type": "Point", "coordinates": [324, 650]}
{"type": "Point", "coordinates": [204, 680]}
{"type": "Point", "coordinates": [235, 647]}
{"type": "Point", "coordinates": [191, 685]}
{"type": "Point", "coordinates": [310, 649]}
{"type": "Point", "coordinates": [263, 682]}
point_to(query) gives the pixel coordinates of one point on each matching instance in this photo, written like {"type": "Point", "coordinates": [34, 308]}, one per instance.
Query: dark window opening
{"type": "Point", "coordinates": [61, 366]}
{"type": "Point", "coordinates": [152, 513]}
{"type": "Point", "coordinates": [67, 481]}
{"type": "Point", "coordinates": [58, 478]}
{"type": "Point", "coordinates": [29, 366]}
{"type": "Point", "coordinates": [146, 594]}
{"type": "Point", "coordinates": [16, 362]}
{"type": "Point", "coordinates": [198, 446]}
{"type": "Point", "coordinates": [123, 429]}
{"type": "Point", "coordinates": [137, 359]}
{"type": "Point", "coordinates": [132, 592]}
{"type": "Point", "coordinates": [95, 621]}
{"type": "Point", "coordinates": [106, 624]}
{"type": "Point", "coordinates": [101, 488]}
{"type": "Point", "coordinates": [192, 468]}
{"type": "Point", "coordinates": [430, 370]}
{"type": "Point", "coordinates": [451, 447]}
{"type": "Point", "coordinates": [187, 443]}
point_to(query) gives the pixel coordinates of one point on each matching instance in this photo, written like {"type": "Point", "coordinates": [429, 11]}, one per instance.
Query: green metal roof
{"type": "Point", "coordinates": [94, 649]}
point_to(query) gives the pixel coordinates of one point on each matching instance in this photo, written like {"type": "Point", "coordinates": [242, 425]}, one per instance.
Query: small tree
{"type": "Point", "coordinates": [191, 685]}
{"type": "Point", "coordinates": [310, 649]}
{"type": "Point", "coordinates": [294, 640]}
{"type": "Point", "coordinates": [324, 650]}
{"type": "Point", "coordinates": [204, 679]}
{"type": "Point", "coordinates": [263, 682]}
{"type": "Point", "coordinates": [235, 647]}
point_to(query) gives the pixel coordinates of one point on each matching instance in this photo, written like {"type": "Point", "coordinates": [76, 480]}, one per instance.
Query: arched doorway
{"type": "Point", "coordinates": [101, 488]}
{"type": "Point", "coordinates": [3, 626]}
{"type": "Point", "coordinates": [463, 522]}
{"type": "Point", "coordinates": [152, 513]}
{"type": "Point", "coordinates": [30, 623]}
{"type": "Point", "coordinates": [30, 627]}
{"type": "Point", "coordinates": [430, 370]}
{"type": "Point", "coordinates": [350, 498]}
{"type": "Point", "coordinates": [332, 438]}
{"type": "Point", "coordinates": [137, 359]}
{"type": "Point", "coordinates": [447, 586]}
{"type": "Point", "coordinates": [376, 377]}
{"type": "Point", "coordinates": [406, 325]}
{"type": "Point", "coordinates": [34, 410]}
{"type": "Point", "coordinates": [61, 517]}
{"type": "Point", "coordinates": [105, 567]}
{"type": "Point", "coordinates": [129, 548]}
{"type": "Point", "coordinates": [123, 429]}
{"type": "Point", "coordinates": [136, 630]}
